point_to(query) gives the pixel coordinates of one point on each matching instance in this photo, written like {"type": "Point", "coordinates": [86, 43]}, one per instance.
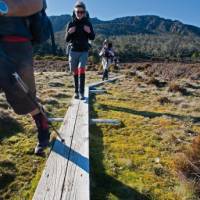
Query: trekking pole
{"type": "Point", "coordinates": [25, 89]}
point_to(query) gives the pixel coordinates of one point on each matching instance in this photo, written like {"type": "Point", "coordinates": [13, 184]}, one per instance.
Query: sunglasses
{"type": "Point", "coordinates": [80, 12]}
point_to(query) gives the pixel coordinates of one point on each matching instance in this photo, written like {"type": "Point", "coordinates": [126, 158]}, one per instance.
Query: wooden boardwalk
{"type": "Point", "coordinates": [66, 173]}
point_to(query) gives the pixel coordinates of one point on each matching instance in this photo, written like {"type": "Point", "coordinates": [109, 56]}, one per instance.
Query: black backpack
{"type": "Point", "coordinates": [41, 29]}
{"type": "Point", "coordinates": [106, 53]}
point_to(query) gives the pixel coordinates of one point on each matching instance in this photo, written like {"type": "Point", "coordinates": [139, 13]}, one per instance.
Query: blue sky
{"type": "Point", "coordinates": [187, 11]}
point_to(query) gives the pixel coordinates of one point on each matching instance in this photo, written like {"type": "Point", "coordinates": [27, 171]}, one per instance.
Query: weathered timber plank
{"type": "Point", "coordinates": [50, 186]}
{"type": "Point", "coordinates": [77, 183]}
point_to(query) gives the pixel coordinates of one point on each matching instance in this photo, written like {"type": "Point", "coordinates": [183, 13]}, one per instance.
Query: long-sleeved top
{"type": "Point", "coordinates": [79, 39]}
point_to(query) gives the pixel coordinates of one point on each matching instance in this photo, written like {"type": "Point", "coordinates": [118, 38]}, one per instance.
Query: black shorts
{"type": "Point", "coordinates": [22, 54]}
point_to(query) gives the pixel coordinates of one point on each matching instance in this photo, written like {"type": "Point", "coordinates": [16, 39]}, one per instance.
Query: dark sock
{"type": "Point", "coordinates": [43, 128]}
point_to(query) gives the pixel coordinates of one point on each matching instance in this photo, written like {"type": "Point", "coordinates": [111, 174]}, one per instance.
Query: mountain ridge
{"type": "Point", "coordinates": [143, 24]}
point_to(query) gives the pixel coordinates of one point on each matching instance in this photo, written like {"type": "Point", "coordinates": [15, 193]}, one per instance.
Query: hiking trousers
{"type": "Point", "coordinates": [22, 55]}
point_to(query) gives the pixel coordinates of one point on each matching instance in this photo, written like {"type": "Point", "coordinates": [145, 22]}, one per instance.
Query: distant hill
{"type": "Point", "coordinates": [147, 24]}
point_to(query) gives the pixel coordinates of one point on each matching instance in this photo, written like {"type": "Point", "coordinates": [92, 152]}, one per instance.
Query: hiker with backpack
{"type": "Point", "coordinates": [107, 55]}
{"type": "Point", "coordinates": [78, 33]}
{"type": "Point", "coordinates": [17, 34]}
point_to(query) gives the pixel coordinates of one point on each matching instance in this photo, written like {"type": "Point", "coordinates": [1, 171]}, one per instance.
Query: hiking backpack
{"type": "Point", "coordinates": [41, 28]}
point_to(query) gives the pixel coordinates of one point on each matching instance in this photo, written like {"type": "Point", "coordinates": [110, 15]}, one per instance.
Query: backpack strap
{"type": "Point", "coordinates": [53, 43]}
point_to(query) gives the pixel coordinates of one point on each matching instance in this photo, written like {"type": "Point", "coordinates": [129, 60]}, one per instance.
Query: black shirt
{"type": "Point", "coordinates": [79, 39]}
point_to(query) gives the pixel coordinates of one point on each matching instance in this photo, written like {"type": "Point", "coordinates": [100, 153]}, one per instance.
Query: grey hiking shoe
{"type": "Point", "coordinates": [39, 149]}
{"type": "Point", "coordinates": [82, 96]}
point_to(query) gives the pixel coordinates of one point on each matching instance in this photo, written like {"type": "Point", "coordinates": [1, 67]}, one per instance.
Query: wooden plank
{"type": "Point", "coordinates": [50, 186]}
{"type": "Point", "coordinates": [77, 183]}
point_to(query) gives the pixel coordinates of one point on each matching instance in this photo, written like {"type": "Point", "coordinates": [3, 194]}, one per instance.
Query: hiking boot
{"type": "Point", "coordinates": [39, 150]}
{"type": "Point", "coordinates": [82, 96]}
{"type": "Point", "coordinates": [41, 146]}
{"type": "Point", "coordinates": [76, 96]}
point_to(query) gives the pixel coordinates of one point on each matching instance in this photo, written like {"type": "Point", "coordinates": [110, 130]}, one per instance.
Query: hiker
{"type": "Point", "coordinates": [16, 56]}
{"type": "Point", "coordinates": [107, 55]}
{"type": "Point", "coordinates": [78, 33]}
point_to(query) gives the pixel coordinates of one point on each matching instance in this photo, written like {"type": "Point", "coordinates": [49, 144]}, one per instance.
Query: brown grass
{"type": "Point", "coordinates": [157, 83]}
{"type": "Point", "coordinates": [174, 87]}
{"type": "Point", "coordinates": [188, 163]}
{"type": "Point", "coordinates": [163, 100]}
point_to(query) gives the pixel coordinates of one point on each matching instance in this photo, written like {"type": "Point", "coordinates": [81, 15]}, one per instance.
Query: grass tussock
{"type": "Point", "coordinates": [188, 164]}
{"type": "Point", "coordinates": [157, 83]}
{"type": "Point", "coordinates": [163, 100]}
{"type": "Point", "coordinates": [174, 88]}
{"type": "Point", "coordinates": [8, 124]}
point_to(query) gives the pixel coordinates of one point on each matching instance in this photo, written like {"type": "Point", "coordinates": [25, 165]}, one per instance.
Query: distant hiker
{"type": "Point", "coordinates": [107, 55]}
{"type": "Point", "coordinates": [16, 56]}
{"type": "Point", "coordinates": [78, 34]}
